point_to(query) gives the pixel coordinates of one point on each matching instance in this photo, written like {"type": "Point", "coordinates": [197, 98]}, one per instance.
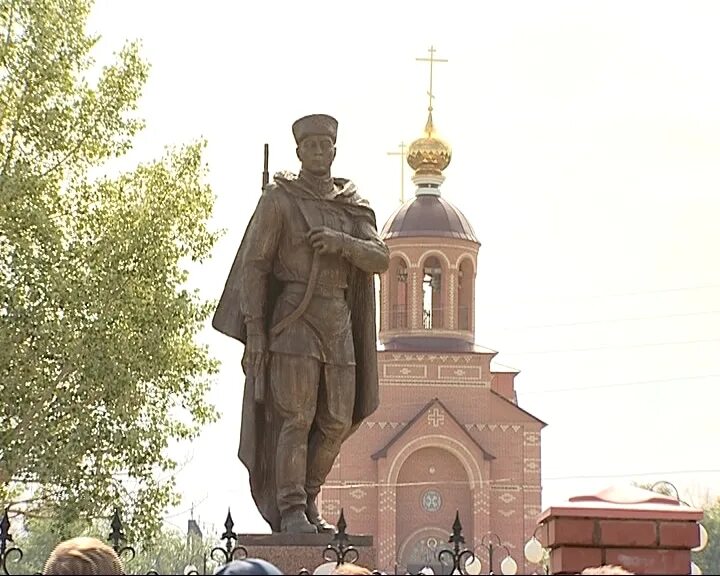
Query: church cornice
{"type": "Point", "coordinates": [420, 342]}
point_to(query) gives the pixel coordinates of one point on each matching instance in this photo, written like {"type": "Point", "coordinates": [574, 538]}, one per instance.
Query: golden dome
{"type": "Point", "coordinates": [430, 154]}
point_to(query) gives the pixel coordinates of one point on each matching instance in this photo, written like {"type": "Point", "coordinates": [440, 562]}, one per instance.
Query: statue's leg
{"type": "Point", "coordinates": [294, 381]}
{"type": "Point", "coordinates": [335, 403]}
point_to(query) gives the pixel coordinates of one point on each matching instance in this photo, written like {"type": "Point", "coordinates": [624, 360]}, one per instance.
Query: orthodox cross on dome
{"type": "Point", "coordinates": [432, 61]}
{"type": "Point", "coordinates": [403, 155]}
{"type": "Point", "coordinates": [429, 155]}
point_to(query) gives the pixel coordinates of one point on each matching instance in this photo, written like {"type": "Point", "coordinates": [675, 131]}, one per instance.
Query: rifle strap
{"type": "Point", "coordinates": [305, 302]}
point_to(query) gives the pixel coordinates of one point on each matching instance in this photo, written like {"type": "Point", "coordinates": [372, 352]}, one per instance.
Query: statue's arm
{"type": "Point", "coordinates": [262, 240]}
{"type": "Point", "coordinates": [365, 249]}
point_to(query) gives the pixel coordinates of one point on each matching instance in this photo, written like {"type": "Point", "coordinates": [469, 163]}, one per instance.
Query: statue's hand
{"type": "Point", "coordinates": [326, 240]}
{"type": "Point", "coordinates": [255, 354]}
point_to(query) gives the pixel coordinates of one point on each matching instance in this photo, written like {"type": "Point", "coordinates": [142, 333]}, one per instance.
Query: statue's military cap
{"type": "Point", "coordinates": [317, 124]}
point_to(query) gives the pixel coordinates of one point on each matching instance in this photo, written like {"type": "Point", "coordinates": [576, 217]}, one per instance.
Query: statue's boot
{"type": "Point", "coordinates": [296, 521]}
{"type": "Point", "coordinates": [313, 515]}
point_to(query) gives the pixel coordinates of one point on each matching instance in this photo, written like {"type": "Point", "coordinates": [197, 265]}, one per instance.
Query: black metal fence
{"type": "Point", "coordinates": [340, 550]}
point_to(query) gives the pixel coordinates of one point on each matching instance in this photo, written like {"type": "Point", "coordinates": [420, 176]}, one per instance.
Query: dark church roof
{"type": "Point", "coordinates": [428, 215]}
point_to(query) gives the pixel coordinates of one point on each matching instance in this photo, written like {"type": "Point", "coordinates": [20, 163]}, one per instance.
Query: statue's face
{"type": "Point", "coordinates": [316, 154]}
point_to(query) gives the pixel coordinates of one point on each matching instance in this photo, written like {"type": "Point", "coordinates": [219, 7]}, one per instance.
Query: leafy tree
{"type": "Point", "coordinates": [168, 553]}
{"type": "Point", "coordinates": [99, 368]}
{"type": "Point", "coordinates": [709, 559]}
{"type": "Point", "coordinates": [661, 487]}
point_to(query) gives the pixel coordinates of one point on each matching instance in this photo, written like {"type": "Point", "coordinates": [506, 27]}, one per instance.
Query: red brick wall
{"type": "Point", "coordinates": [642, 546]}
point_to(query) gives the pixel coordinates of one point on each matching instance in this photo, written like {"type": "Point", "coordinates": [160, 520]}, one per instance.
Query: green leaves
{"type": "Point", "coordinates": [99, 368]}
{"type": "Point", "coordinates": [168, 553]}
{"type": "Point", "coordinates": [709, 559]}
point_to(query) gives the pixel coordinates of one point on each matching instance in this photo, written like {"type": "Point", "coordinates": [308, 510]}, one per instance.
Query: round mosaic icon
{"type": "Point", "coordinates": [431, 501]}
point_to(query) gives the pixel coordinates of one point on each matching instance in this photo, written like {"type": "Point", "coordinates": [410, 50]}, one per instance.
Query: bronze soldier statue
{"type": "Point", "coordinates": [301, 297]}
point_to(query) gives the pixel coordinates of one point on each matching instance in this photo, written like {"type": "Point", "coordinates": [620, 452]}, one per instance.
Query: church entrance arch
{"type": "Point", "coordinates": [432, 485]}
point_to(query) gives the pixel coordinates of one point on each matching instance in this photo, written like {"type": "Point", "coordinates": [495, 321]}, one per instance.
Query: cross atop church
{"type": "Point", "coordinates": [403, 154]}
{"type": "Point", "coordinates": [432, 61]}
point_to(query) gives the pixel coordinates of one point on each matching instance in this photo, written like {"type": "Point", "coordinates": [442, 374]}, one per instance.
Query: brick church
{"type": "Point", "coordinates": [449, 434]}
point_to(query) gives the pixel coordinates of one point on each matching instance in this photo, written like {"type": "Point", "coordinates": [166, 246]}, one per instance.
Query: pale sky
{"type": "Point", "coordinates": [586, 154]}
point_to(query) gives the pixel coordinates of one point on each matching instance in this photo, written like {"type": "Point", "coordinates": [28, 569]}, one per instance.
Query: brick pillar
{"type": "Point", "coordinates": [481, 512]}
{"type": "Point", "coordinates": [642, 531]}
{"type": "Point", "coordinates": [415, 305]}
{"type": "Point", "coordinates": [451, 299]}
{"type": "Point", "coordinates": [385, 543]}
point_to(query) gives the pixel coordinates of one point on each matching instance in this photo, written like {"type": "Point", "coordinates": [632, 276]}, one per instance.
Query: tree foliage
{"type": "Point", "coordinates": [168, 553]}
{"type": "Point", "coordinates": [99, 367]}
{"type": "Point", "coordinates": [709, 559]}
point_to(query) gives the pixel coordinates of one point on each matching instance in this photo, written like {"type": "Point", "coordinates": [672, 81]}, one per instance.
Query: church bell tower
{"type": "Point", "coordinates": [428, 292]}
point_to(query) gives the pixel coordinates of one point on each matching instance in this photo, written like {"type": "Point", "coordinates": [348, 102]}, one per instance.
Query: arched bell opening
{"type": "Point", "coordinates": [433, 280]}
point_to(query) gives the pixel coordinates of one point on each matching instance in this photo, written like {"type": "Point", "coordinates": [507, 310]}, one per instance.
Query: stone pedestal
{"type": "Point", "coordinates": [642, 531]}
{"type": "Point", "coordinates": [292, 552]}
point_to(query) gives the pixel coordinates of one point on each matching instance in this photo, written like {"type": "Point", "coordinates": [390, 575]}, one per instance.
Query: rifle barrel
{"type": "Point", "coordinates": [266, 173]}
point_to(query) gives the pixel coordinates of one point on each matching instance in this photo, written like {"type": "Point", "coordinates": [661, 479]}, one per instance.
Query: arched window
{"type": "Point", "coordinates": [398, 293]}
{"type": "Point", "coordinates": [432, 293]}
{"type": "Point", "coordinates": [465, 295]}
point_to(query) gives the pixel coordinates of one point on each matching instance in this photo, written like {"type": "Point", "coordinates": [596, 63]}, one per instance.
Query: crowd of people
{"type": "Point", "coordinates": [90, 556]}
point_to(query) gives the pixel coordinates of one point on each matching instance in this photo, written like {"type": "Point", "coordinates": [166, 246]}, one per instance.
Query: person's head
{"type": "Point", "coordinates": [315, 136]}
{"type": "Point", "coordinates": [249, 566]}
{"type": "Point", "coordinates": [607, 569]}
{"type": "Point", "coordinates": [349, 568]}
{"type": "Point", "coordinates": [83, 555]}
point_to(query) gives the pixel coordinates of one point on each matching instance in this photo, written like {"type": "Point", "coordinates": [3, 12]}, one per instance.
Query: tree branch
{"type": "Point", "coordinates": [11, 145]}
{"type": "Point", "coordinates": [73, 149]}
